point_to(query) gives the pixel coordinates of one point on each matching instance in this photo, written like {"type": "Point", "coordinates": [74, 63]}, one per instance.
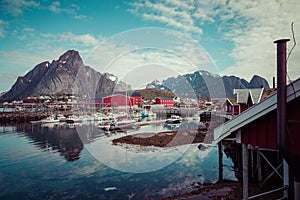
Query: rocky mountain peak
{"type": "Point", "coordinates": [259, 82]}
{"type": "Point", "coordinates": [203, 84]}
{"type": "Point", "coordinates": [72, 57]}
{"type": "Point", "coordinates": [66, 75]}
{"type": "Point", "coordinates": [69, 55]}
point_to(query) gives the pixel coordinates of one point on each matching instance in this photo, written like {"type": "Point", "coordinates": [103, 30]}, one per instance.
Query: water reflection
{"type": "Point", "coordinates": [69, 141]}
{"type": "Point", "coordinates": [58, 137]}
{"type": "Point", "coordinates": [36, 170]}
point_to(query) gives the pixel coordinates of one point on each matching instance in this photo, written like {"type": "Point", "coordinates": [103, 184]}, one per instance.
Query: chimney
{"type": "Point", "coordinates": [274, 83]}
{"type": "Point", "coordinates": [282, 136]}
{"type": "Point", "coordinates": [281, 96]}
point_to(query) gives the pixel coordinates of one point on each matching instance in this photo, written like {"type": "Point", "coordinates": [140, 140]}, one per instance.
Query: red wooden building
{"type": "Point", "coordinates": [255, 129]}
{"type": "Point", "coordinates": [118, 100]}
{"type": "Point", "coordinates": [137, 98]}
{"type": "Point", "coordinates": [167, 102]}
{"type": "Point", "coordinates": [230, 107]}
{"type": "Point", "coordinates": [244, 99]}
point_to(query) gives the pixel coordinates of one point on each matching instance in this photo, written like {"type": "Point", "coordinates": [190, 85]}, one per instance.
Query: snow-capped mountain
{"type": "Point", "coordinates": [202, 84]}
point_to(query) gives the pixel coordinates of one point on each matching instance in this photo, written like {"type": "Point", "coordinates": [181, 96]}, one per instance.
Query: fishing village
{"type": "Point", "coordinates": [149, 100]}
{"type": "Point", "coordinates": [228, 123]}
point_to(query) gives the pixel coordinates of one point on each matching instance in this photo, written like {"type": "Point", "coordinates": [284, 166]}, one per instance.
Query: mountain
{"type": "Point", "coordinates": [67, 75]}
{"type": "Point", "coordinates": [149, 94]}
{"type": "Point", "coordinates": [258, 82]}
{"type": "Point", "coordinates": [202, 85]}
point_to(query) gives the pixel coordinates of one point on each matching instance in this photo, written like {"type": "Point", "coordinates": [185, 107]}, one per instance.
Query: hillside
{"type": "Point", "coordinates": [202, 85]}
{"type": "Point", "coordinates": [149, 94]}
{"type": "Point", "coordinates": [67, 75]}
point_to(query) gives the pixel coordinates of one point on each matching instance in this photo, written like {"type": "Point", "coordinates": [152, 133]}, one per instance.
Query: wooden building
{"type": "Point", "coordinates": [116, 100]}
{"type": "Point", "coordinates": [255, 131]}
{"type": "Point", "coordinates": [231, 107]}
{"type": "Point", "coordinates": [136, 98]}
{"type": "Point", "coordinates": [244, 99]}
{"type": "Point", "coordinates": [167, 102]}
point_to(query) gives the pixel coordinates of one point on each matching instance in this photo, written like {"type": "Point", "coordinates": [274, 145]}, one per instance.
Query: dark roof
{"type": "Point", "coordinates": [129, 93]}
{"type": "Point", "coordinates": [136, 94]}
{"type": "Point", "coordinates": [165, 98]}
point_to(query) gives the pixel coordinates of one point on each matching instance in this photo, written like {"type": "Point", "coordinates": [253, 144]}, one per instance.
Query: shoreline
{"type": "Point", "coordinates": [164, 139]}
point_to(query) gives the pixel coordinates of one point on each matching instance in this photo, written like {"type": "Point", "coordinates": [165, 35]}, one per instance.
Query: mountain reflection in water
{"type": "Point", "coordinates": [62, 138]}
{"type": "Point", "coordinates": [53, 162]}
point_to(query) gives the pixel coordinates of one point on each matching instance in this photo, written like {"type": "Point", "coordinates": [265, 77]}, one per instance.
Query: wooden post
{"type": "Point", "coordinates": [285, 178]}
{"type": "Point", "coordinates": [220, 161]}
{"type": "Point", "coordinates": [245, 171]}
{"type": "Point", "coordinates": [252, 163]}
{"type": "Point", "coordinates": [259, 175]}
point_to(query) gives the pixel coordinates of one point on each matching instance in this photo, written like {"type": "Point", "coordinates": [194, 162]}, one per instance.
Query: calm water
{"type": "Point", "coordinates": [79, 162]}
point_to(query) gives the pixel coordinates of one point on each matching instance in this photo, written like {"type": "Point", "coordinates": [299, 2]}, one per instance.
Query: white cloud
{"type": "Point", "coordinates": [21, 58]}
{"type": "Point", "coordinates": [2, 28]}
{"type": "Point", "coordinates": [16, 7]}
{"type": "Point", "coordinates": [8, 79]}
{"type": "Point", "coordinates": [254, 50]}
{"type": "Point", "coordinates": [73, 39]}
{"type": "Point", "coordinates": [150, 50]}
{"type": "Point", "coordinates": [251, 26]}
{"type": "Point", "coordinates": [42, 47]}
{"type": "Point", "coordinates": [18, 62]}
{"type": "Point", "coordinates": [25, 33]}
{"type": "Point", "coordinates": [174, 14]}
{"type": "Point", "coordinates": [55, 7]}
{"type": "Point", "coordinates": [72, 10]}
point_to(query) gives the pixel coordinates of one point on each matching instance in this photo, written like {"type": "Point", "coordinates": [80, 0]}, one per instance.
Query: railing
{"type": "Point", "coordinates": [269, 192]}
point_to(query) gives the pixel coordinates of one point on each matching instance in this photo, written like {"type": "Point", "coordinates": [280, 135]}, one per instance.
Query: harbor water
{"type": "Point", "coordinates": [79, 161]}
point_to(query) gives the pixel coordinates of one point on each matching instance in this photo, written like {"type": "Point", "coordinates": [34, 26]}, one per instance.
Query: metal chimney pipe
{"type": "Point", "coordinates": [282, 140]}
{"type": "Point", "coordinates": [281, 96]}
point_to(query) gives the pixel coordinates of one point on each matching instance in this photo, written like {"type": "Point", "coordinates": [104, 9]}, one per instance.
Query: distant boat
{"type": "Point", "coordinates": [61, 117]}
{"type": "Point", "coordinates": [104, 126]}
{"type": "Point", "coordinates": [72, 119]}
{"type": "Point", "coordinates": [171, 126]}
{"type": "Point", "coordinates": [174, 120]}
{"type": "Point", "coordinates": [148, 113]}
{"type": "Point", "coordinates": [50, 119]}
{"type": "Point", "coordinates": [121, 125]}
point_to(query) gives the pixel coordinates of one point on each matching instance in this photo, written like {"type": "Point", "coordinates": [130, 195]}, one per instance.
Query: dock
{"type": "Point", "coordinates": [150, 122]}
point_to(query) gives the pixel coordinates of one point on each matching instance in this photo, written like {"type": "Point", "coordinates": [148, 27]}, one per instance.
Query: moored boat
{"type": "Point", "coordinates": [61, 117]}
{"type": "Point", "coordinates": [148, 113]}
{"type": "Point", "coordinates": [72, 119]}
{"type": "Point", "coordinates": [50, 119]}
{"type": "Point", "coordinates": [104, 126]}
{"type": "Point", "coordinates": [174, 120]}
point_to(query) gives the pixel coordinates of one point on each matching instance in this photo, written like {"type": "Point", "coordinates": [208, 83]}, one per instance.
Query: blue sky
{"type": "Point", "coordinates": [236, 35]}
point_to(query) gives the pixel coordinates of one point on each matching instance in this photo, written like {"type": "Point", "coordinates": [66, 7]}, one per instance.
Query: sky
{"type": "Point", "coordinates": [150, 39]}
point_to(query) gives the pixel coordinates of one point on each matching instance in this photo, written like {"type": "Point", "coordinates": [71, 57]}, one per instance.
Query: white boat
{"type": "Point", "coordinates": [174, 120]}
{"type": "Point", "coordinates": [72, 119]}
{"type": "Point", "coordinates": [105, 126]}
{"type": "Point", "coordinates": [120, 125]}
{"type": "Point", "coordinates": [148, 113]}
{"type": "Point", "coordinates": [99, 116]}
{"type": "Point", "coordinates": [50, 119]}
{"type": "Point", "coordinates": [61, 117]}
